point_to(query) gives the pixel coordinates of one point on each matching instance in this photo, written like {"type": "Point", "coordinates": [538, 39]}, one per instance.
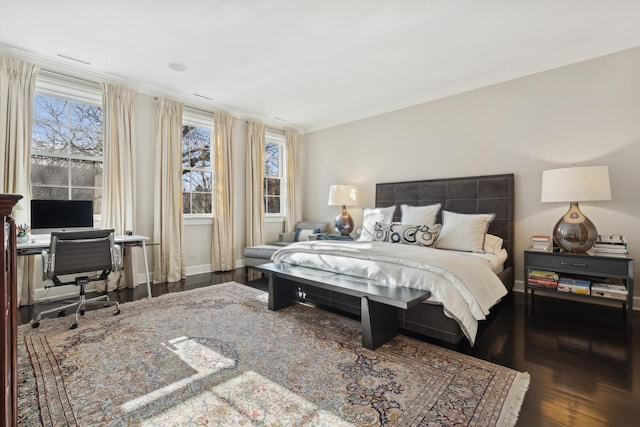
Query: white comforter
{"type": "Point", "coordinates": [465, 285]}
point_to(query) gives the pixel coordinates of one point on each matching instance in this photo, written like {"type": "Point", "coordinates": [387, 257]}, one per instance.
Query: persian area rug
{"type": "Point", "coordinates": [218, 356]}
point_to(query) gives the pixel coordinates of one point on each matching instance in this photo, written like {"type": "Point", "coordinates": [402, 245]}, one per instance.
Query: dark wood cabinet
{"type": "Point", "coordinates": [9, 317]}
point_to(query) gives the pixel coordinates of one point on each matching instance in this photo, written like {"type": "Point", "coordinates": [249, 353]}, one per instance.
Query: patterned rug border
{"type": "Point", "coordinates": [409, 349]}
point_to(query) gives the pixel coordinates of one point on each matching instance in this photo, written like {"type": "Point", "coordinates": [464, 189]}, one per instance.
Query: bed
{"type": "Point", "coordinates": [454, 277]}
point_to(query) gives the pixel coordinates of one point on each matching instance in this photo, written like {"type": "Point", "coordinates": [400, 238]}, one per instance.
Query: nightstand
{"type": "Point", "coordinates": [581, 266]}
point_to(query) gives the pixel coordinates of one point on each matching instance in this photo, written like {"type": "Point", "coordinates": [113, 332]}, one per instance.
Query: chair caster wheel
{"type": "Point", "coordinates": [35, 324]}
{"type": "Point", "coordinates": [81, 312]}
{"type": "Point", "coordinates": [116, 312]}
{"type": "Point", "coordinates": [62, 313]}
{"type": "Point", "coordinates": [73, 325]}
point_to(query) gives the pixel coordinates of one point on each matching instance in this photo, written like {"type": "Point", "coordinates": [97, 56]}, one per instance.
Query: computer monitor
{"type": "Point", "coordinates": [59, 215]}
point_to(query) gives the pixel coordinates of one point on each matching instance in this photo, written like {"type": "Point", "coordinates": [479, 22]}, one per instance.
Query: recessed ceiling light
{"type": "Point", "coordinates": [176, 66]}
{"type": "Point", "coordinates": [71, 58]}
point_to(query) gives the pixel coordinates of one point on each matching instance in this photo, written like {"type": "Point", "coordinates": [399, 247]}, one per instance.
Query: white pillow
{"type": "Point", "coordinates": [371, 216]}
{"type": "Point", "coordinates": [492, 244]}
{"type": "Point", "coordinates": [463, 232]}
{"type": "Point", "coordinates": [414, 215]}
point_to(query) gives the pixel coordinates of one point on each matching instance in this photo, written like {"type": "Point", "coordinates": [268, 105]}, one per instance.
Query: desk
{"type": "Point", "coordinates": [36, 245]}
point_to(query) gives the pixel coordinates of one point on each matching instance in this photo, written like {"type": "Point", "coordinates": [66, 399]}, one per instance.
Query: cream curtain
{"type": "Point", "coordinates": [168, 254]}
{"type": "Point", "coordinates": [222, 229]}
{"type": "Point", "coordinates": [255, 184]}
{"type": "Point", "coordinates": [17, 93]}
{"type": "Point", "coordinates": [294, 203]}
{"type": "Point", "coordinates": [119, 189]}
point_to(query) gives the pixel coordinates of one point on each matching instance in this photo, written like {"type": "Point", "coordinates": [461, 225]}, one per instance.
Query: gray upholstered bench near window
{"type": "Point", "coordinates": [256, 255]}
{"type": "Point", "coordinates": [261, 254]}
{"type": "Point", "coordinates": [378, 302]}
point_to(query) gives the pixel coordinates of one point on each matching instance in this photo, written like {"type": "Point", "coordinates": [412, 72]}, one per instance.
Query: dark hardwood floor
{"type": "Point", "coordinates": [584, 363]}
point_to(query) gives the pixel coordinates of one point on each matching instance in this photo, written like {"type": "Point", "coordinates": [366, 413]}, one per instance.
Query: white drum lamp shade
{"type": "Point", "coordinates": [343, 195]}
{"type": "Point", "coordinates": [574, 232]}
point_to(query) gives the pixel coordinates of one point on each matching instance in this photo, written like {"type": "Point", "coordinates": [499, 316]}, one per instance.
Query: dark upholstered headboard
{"type": "Point", "coordinates": [471, 195]}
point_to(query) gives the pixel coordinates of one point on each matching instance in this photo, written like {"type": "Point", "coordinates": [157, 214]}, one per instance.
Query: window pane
{"type": "Point", "coordinates": [196, 147]}
{"type": "Point", "coordinates": [200, 203]}
{"type": "Point", "coordinates": [49, 171]}
{"type": "Point", "coordinates": [186, 182]}
{"type": "Point", "coordinates": [273, 205]}
{"type": "Point", "coordinates": [50, 193]}
{"type": "Point", "coordinates": [201, 181]}
{"type": "Point", "coordinates": [86, 143]}
{"type": "Point", "coordinates": [86, 116]}
{"type": "Point", "coordinates": [86, 173]}
{"type": "Point", "coordinates": [49, 138]}
{"type": "Point", "coordinates": [63, 129]}
{"type": "Point", "coordinates": [272, 186]}
{"type": "Point", "coordinates": [52, 110]}
{"type": "Point", "coordinates": [272, 160]}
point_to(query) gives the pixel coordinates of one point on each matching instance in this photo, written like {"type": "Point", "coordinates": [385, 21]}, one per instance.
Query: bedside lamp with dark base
{"type": "Point", "coordinates": [343, 195]}
{"type": "Point", "coordinates": [574, 232]}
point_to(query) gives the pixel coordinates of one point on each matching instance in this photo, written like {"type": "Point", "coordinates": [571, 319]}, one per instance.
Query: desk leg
{"type": "Point", "coordinates": [379, 323]}
{"type": "Point", "coordinates": [146, 268]}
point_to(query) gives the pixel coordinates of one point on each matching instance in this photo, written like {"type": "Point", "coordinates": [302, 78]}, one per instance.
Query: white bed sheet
{"type": "Point", "coordinates": [465, 285]}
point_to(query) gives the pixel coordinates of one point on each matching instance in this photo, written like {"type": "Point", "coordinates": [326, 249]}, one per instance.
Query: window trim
{"type": "Point", "coordinates": [278, 138]}
{"type": "Point", "coordinates": [199, 119]}
{"type": "Point", "coordinates": [71, 89]}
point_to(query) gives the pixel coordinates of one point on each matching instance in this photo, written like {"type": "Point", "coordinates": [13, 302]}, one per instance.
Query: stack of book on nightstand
{"type": "Point", "coordinates": [541, 243]}
{"type": "Point", "coordinates": [613, 245]}
{"type": "Point", "coordinates": [543, 279]}
{"type": "Point", "coordinates": [609, 288]}
{"type": "Point", "coordinates": [576, 285]}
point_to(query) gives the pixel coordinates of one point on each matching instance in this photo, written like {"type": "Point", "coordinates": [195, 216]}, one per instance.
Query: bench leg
{"type": "Point", "coordinates": [379, 323]}
{"type": "Point", "coordinates": [282, 292]}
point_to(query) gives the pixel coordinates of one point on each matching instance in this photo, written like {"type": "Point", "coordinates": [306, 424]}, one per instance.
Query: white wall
{"type": "Point", "coordinates": [584, 114]}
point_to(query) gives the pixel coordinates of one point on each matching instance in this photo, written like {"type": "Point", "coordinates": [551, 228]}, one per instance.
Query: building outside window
{"type": "Point", "coordinates": [66, 149]}
{"type": "Point", "coordinates": [197, 171]}
{"type": "Point", "coordinates": [274, 193]}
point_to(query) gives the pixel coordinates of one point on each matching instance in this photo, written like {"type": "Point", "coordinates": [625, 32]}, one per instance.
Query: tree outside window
{"type": "Point", "coordinates": [273, 173]}
{"type": "Point", "coordinates": [197, 175]}
{"type": "Point", "coordinates": [66, 150]}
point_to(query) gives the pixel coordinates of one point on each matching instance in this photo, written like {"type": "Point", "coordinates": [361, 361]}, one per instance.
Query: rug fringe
{"type": "Point", "coordinates": [513, 403]}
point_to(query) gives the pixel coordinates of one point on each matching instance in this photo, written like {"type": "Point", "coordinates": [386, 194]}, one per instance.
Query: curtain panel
{"type": "Point", "coordinates": [17, 96]}
{"type": "Point", "coordinates": [168, 254]}
{"type": "Point", "coordinates": [254, 191]}
{"type": "Point", "coordinates": [222, 248]}
{"type": "Point", "coordinates": [294, 203]}
{"type": "Point", "coordinates": [119, 186]}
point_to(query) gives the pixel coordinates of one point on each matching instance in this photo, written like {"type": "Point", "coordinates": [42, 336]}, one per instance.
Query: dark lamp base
{"type": "Point", "coordinates": [343, 223]}
{"type": "Point", "coordinates": [574, 232]}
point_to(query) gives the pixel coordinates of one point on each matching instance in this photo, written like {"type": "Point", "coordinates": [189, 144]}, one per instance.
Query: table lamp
{"type": "Point", "coordinates": [343, 195]}
{"type": "Point", "coordinates": [574, 232]}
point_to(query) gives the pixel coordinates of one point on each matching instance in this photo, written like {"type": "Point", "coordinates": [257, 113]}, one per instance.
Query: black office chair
{"type": "Point", "coordinates": [93, 253]}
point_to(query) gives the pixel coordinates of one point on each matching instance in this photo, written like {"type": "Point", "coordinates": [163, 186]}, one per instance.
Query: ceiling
{"type": "Point", "coordinates": [313, 64]}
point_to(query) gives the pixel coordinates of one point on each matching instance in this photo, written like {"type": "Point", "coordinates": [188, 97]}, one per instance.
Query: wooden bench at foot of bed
{"type": "Point", "coordinates": [378, 302]}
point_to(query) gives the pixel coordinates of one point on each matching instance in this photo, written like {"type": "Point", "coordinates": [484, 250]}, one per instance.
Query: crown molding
{"type": "Point", "coordinates": [91, 76]}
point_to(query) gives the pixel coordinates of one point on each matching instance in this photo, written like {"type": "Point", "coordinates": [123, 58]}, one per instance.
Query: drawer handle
{"type": "Point", "coordinates": [575, 264]}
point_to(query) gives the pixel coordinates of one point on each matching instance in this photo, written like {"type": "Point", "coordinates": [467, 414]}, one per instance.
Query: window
{"type": "Point", "coordinates": [66, 149]}
{"type": "Point", "coordinates": [197, 173]}
{"type": "Point", "coordinates": [274, 174]}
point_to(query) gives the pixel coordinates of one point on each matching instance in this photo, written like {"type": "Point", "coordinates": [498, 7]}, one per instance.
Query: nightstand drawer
{"type": "Point", "coordinates": [579, 264]}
